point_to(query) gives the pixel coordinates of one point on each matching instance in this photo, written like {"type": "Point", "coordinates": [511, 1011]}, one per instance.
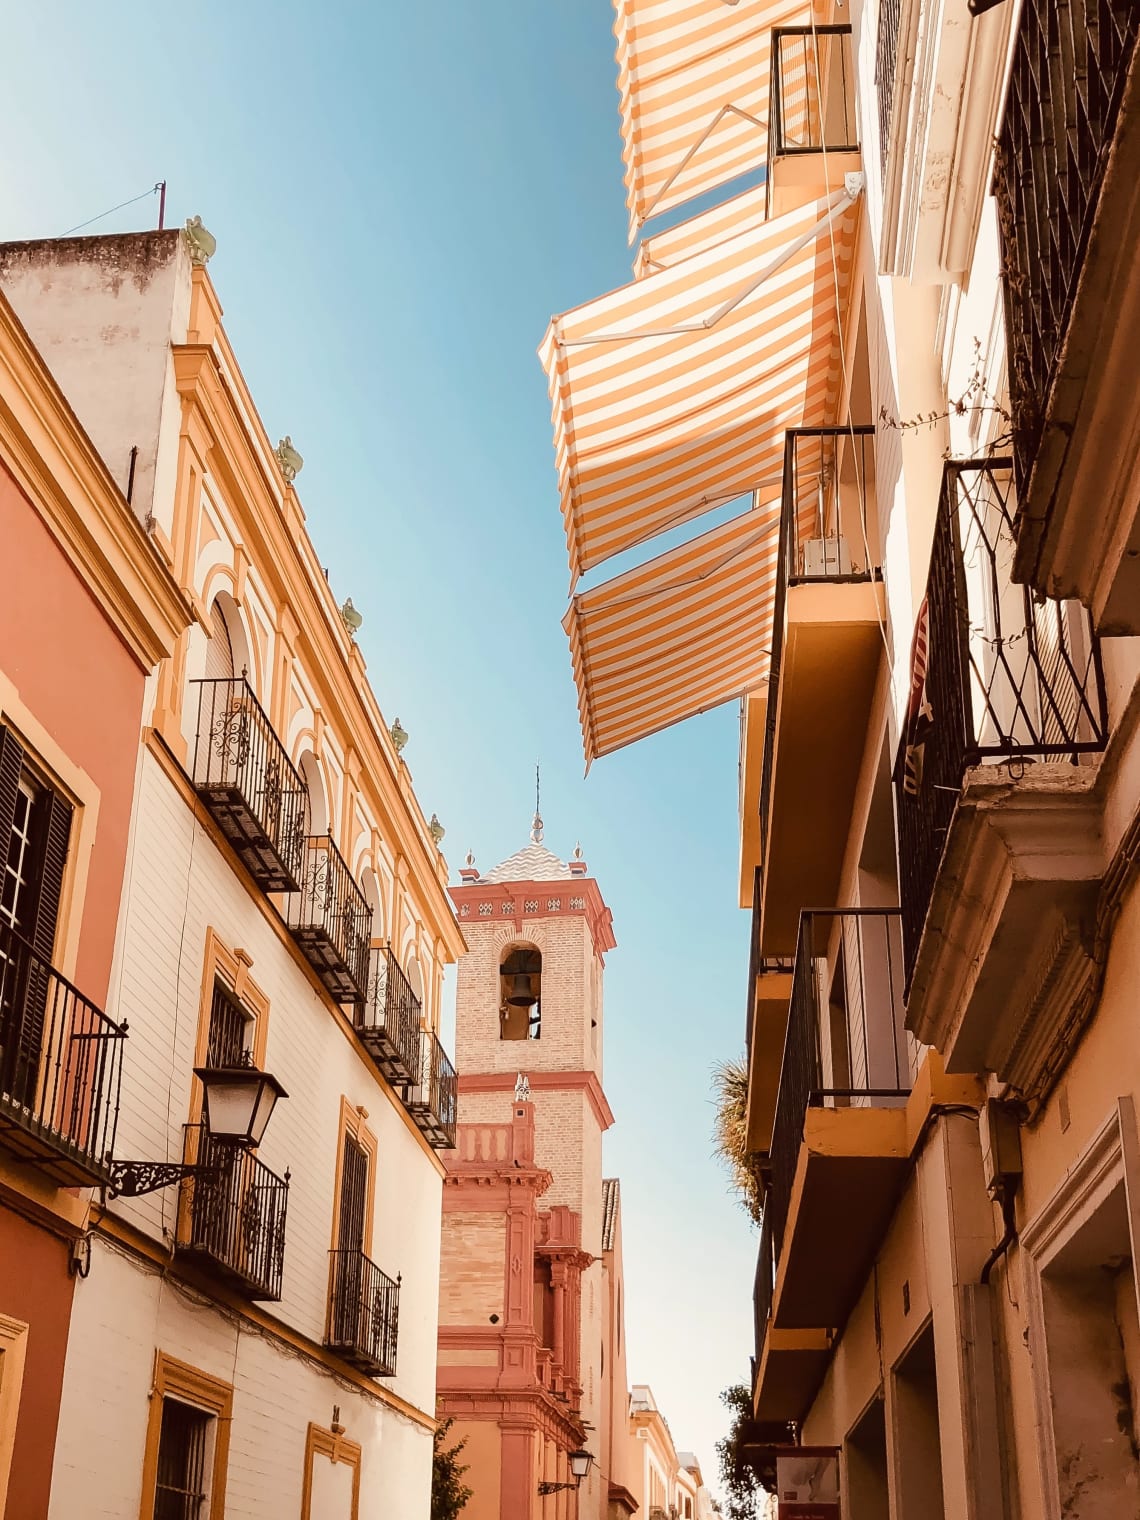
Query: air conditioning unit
{"type": "Point", "coordinates": [822, 558]}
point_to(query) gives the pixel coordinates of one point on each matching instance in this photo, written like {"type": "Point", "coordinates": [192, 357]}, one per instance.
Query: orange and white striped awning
{"type": "Point", "coordinates": [686, 632]}
{"type": "Point", "coordinates": [742, 213]}
{"type": "Point", "coordinates": [694, 79]}
{"type": "Point", "coordinates": [673, 394]}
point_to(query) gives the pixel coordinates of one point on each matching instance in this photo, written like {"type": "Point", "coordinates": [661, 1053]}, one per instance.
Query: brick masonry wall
{"type": "Point", "coordinates": [472, 1268]}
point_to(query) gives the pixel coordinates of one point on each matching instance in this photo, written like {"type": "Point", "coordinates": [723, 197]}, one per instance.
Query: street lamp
{"type": "Point", "coordinates": [237, 1104]}
{"type": "Point", "coordinates": [580, 1463]}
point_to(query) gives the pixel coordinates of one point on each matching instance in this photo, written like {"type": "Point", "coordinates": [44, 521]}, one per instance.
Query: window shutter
{"type": "Point", "coordinates": [57, 833]}
{"type": "Point", "coordinates": [11, 764]}
{"type": "Point", "coordinates": [219, 650]}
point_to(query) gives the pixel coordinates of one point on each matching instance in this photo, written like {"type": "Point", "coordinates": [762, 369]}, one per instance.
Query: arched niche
{"type": "Point", "coordinates": [520, 992]}
{"type": "Point", "coordinates": [318, 799]}
{"type": "Point", "coordinates": [227, 649]}
{"type": "Point", "coordinates": [370, 886]}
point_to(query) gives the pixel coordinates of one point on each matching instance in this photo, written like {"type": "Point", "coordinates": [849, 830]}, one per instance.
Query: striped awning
{"type": "Point", "coordinates": [694, 79]}
{"type": "Point", "coordinates": [686, 632]}
{"type": "Point", "coordinates": [742, 213]}
{"type": "Point", "coordinates": [672, 394]}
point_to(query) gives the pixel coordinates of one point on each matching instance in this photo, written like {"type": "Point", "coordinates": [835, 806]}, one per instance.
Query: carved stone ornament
{"type": "Point", "coordinates": [289, 459]}
{"type": "Point", "coordinates": [200, 241]}
{"type": "Point", "coordinates": [522, 1088]}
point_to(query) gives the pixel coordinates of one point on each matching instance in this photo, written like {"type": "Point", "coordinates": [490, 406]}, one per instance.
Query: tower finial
{"type": "Point", "coordinates": [536, 824]}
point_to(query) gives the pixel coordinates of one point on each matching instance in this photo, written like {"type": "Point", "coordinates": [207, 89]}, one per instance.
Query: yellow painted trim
{"type": "Point", "coordinates": [13, 1349]}
{"type": "Point", "coordinates": [336, 1446]}
{"type": "Point", "coordinates": [81, 791]}
{"type": "Point", "coordinates": [168, 1264]}
{"type": "Point", "coordinates": [156, 745]}
{"type": "Point", "coordinates": [178, 1380]}
{"type": "Point", "coordinates": [270, 527]}
{"type": "Point", "coordinates": [59, 470]}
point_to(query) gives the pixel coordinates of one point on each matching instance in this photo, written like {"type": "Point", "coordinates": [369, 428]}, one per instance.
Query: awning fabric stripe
{"type": "Point", "coordinates": [653, 426]}
{"type": "Point", "coordinates": [742, 213]}
{"type": "Point", "coordinates": [686, 632]}
{"type": "Point", "coordinates": [693, 77]}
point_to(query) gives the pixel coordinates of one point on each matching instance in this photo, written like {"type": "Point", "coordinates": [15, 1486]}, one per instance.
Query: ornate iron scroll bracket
{"type": "Point", "coordinates": [129, 1179]}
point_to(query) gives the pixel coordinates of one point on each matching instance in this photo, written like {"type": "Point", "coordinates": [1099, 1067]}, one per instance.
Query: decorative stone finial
{"type": "Point", "coordinates": [578, 850]}
{"type": "Point", "coordinates": [469, 859]}
{"type": "Point", "coordinates": [469, 871]}
{"type": "Point", "coordinates": [436, 829]}
{"type": "Point", "coordinates": [522, 1088]}
{"type": "Point", "coordinates": [352, 619]}
{"type": "Point", "coordinates": [289, 459]}
{"type": "Point", "coordinates": [399, 735]}
{"type": "Point", "coordinates": [200, 241]}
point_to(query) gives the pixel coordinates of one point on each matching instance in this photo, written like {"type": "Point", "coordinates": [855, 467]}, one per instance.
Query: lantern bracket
{"type": "Point", "coordinates": [130, 1179]}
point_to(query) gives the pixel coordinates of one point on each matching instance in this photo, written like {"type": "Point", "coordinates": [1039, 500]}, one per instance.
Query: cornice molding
{"type": "Point", "coordinates": [287, 563]}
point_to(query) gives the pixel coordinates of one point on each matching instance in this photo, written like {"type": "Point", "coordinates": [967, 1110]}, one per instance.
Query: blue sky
{"type": "Point", "coordinates": [402, 194]}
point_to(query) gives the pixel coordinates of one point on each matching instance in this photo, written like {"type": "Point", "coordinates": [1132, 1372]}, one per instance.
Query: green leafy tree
{"type": "Point", "coordinates": [744, 1496]}
{"type": "Point", "coordinates": [449, 1494]}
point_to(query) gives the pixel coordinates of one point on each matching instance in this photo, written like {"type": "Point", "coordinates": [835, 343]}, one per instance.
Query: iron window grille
{"type": "Point", "coordinates": [180, 1486]}
{"type": "Point", "coordinates": [1010, 676]}
{"type": "Point", "coordinates": [886, 65]}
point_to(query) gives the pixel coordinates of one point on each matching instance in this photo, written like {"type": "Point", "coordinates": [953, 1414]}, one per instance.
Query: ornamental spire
{"type": "Point", "coordinates": [536, 822]}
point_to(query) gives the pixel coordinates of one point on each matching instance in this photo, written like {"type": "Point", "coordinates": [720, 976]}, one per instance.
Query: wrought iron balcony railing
{"type": "Point", "coordinates": [246, 779]}
{"type": "Point", "coordinates": [763, 1288]}
{"type": "Point", "coordinates": [827, 534]}
{"type": "Point", "coordinates": [433, 1097]}
{"type": "Point", "coordinates": [1071, 59]}
{"type": "Point", "coordinates": [813, 91]}
{"type": "Point", "coordinates": [364, 1314]}
{"type": "Point", "coordinates": [330, 920]}
{"type": "Point", "coordinates": [388, 1017]}
{"type": "Point", "coordinates": [234, 1220]}
{"type": "Point", "coordinates": [60, 1069]}
{"type": "Point", "coordinates": [997, 673]}
{"type": "Point", "coordinates": [846, 1045]}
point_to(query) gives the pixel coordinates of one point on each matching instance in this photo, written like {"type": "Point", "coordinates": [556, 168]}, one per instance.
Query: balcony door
{"type": "Point", "coordinates": [35, 826]}
{"type": "Point", "coordinates": [350, 1312]}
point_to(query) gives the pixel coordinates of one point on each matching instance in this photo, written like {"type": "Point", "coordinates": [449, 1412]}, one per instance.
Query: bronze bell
{"type": "Point", "coordinates": [520, 995]}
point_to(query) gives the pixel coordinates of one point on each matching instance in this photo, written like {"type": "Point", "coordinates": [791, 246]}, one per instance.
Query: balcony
{"type": "Point", "coordinates": [789, 1365]}
{"type": "Point", "coordinates": [364, 1314]}
{"type": "Point", "coordinates": [839, 1137]}
{"type": "Point", "coordinates": [388, 1017]}
{"type": "Point", "coordinates": [432, 1098]}
{"type": "Point", "coordinates": [813, 140]}
{"type": "Point", "coordinates": [1067, 184]}
{"type": "Point", "coordinates": [998, 823]}
{"type": "Point", "coordinates": [827, 647]}
{"type": "Point", "coordinates": [330, 920]}
{"type": "Point", "coordinates": [233, 1223]}
{"type": "Point", "coordinates": [245, 778]}
{"type": "Point", "coordinates": [766, 1025]}
{"type": "Point", "coordinates": [60, 1069]}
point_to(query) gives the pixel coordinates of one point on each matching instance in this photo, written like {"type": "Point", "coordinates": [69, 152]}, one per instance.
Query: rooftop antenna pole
{"type": "Point", "coordinates": [161, 188]}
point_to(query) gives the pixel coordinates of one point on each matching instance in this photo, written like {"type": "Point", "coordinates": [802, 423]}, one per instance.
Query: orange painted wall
{"type": "Point", "coordinates": [74, 673]}
{"type": "Point", "coordinates": [35, 1287]}
{"type": "Point", "coordinates": [483, 1458]}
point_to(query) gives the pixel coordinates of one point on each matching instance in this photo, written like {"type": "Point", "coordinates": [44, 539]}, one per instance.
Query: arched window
{"type": "Point", "coordinates": [520, 993]}
{"type": "Point", "coordinates": [371, 889]}
{"type": "Point", "coordinates": [415, 977]}
{"type": "Point", "coordinates": [318, 804]}
{"type": "Point", "coordinates": [227, 651]}
{"type": "Point", "coordinates": [219, 651]}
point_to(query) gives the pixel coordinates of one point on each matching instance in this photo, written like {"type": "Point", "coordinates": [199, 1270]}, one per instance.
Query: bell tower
{"type": "Point", "coordinates": [531, 1115]}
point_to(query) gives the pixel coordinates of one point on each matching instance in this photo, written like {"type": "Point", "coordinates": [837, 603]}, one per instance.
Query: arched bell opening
{"type": "Point", "coordinates": [520, 993]}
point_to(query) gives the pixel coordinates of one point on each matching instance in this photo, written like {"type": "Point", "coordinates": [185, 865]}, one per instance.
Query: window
{"type": "Point", "coordinates": [219, 651]}
{"type": "Point", "coordinates": [520, 994]}
{"type": "Point", "coordinates": [35, 826]}
{"type": "Point", "coordinates": [227, 1043]}
{"type": "Point", "coordinates": [180, 1487]}
{"type": "Point", "coordinates": [187, 1443]}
